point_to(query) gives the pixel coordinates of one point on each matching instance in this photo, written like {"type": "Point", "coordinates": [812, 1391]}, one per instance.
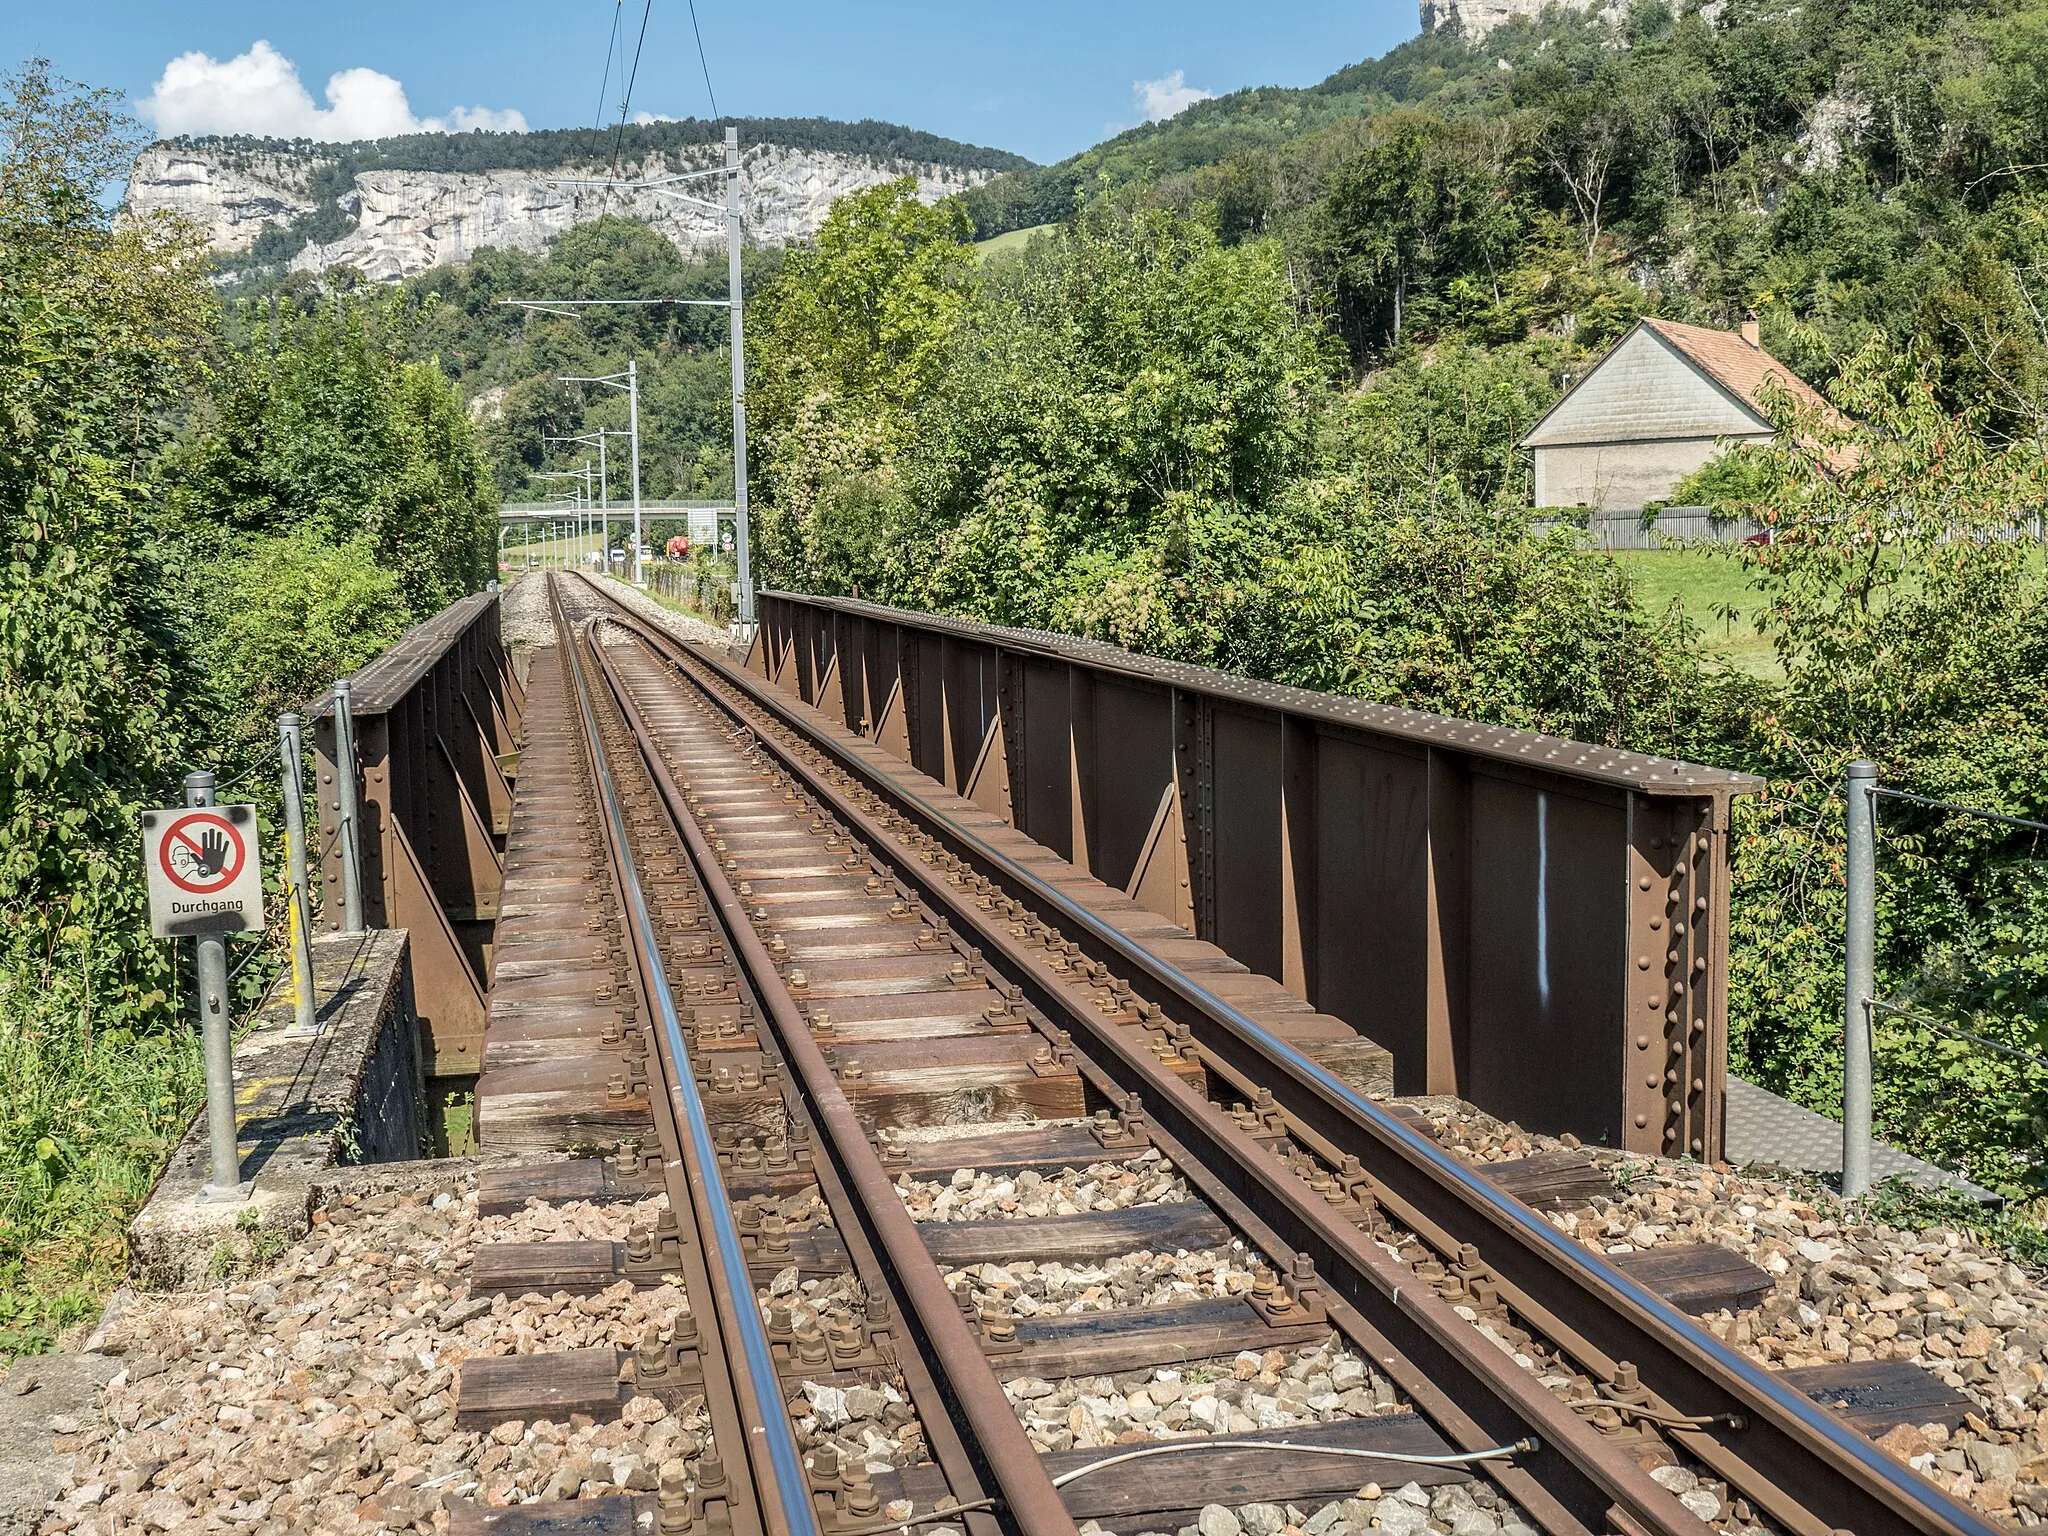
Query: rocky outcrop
{"type": "Point", "coordinates": [408, 221]}
{"type": "Point", "coordinates": [1475, 18]}
{"type": "Point", "coordinates": [230, 197]}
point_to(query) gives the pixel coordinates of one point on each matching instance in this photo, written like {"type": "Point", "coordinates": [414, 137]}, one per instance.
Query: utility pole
{"type": "Point", "coordinates": [633, 412]}
{"type": "Point", "coordinates": [734, 307]}
{"type": "Point", "coordinates": [603, 478]}
{"type": "Point", "coordinates": [579, 502]}
{"type": "Point", "coordinates": [629, 382]}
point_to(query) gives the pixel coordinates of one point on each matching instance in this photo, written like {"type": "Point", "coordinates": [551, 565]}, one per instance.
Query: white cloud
{"type": "Point", "coordinates": [643, 117]}
{"type": "Point", "coordinates": [478, 119]}
{"type": "Point", "coordinates": [259, 92]}
{"type": "Point", "coordinates": [1168, 96]}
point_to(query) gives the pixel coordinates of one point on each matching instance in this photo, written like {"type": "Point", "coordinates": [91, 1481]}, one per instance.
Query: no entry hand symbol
{"type": "Point", "coordinates": [202, 853]}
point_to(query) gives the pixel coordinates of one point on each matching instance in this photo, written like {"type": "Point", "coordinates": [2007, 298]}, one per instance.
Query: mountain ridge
{"type": "Point", "coordinates": [393, 207]}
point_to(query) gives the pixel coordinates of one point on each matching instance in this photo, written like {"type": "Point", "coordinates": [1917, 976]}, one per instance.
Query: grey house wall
{"type": "Point", "coordinates": [1626, 476]}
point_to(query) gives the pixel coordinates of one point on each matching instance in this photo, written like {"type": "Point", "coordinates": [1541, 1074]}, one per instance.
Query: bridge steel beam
{"type": "Point", "coordinates": [437, 719]}
{"type": "Point", "coordinates": [1537, 925]}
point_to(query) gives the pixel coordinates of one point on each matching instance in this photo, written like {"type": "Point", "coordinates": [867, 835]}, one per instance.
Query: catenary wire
{"type": "Point", "coordinates": [626, 101]}
{"type": "Point", "coordinates": [605, 85]}
{"type": "Point", "coordinates": [702, 63]}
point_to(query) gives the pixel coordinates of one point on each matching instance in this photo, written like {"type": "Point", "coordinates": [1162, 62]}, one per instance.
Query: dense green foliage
{"type": "Point", "coordinates": [317, 432]}
{"type": "Point", "coordinates": [195, 531]}
{"type": "Point", "coordinates": [1913, 631]}
{"type": "Point", "coordinates": [1133, 432]}
{"type": "Point", "coordinates": [1848, 169]}
{"type": "Point", "coordinates": [508, 361]}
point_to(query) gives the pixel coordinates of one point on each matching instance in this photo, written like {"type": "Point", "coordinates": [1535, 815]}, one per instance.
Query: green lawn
{"type": "Point", "coordinates": [1708, 584]}
{"type": "Point", "coordinates": [1009, 244]}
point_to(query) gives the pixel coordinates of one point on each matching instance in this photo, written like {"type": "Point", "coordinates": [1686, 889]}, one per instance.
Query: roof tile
{"type": "Point", "coordinates": [1741, 368]}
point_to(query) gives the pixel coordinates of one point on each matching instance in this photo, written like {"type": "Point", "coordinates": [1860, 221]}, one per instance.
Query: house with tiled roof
{"type": "Point", "coordinates": [1665, 399]}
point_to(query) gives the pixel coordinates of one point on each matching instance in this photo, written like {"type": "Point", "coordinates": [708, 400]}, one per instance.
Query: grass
{"type": "Point", "coordinates": [2013, 1230]}
{"type": "Point", "coordinates": [1715, 593]}
{"type": "Point", "coordinates": [1010, 243]}
{"type": "Point", "coordinates": [87, 1118]}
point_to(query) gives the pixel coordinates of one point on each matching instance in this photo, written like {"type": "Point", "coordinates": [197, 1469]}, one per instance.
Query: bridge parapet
{"type": "Point", "coordinates": [1536, 925]}
{"type": "Point", "coordinates": [437, 719]}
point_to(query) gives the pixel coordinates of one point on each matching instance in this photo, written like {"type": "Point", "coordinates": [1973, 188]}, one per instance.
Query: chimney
{"type": "Point", "coordinates": [1752, 333]}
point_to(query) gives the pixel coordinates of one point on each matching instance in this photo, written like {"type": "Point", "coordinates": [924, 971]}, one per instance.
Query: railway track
{"type": "Point", "coordinates": [840, 985]}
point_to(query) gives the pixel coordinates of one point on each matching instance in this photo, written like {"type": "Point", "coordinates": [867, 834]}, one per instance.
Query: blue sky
{"type": "Point", "coordinates": [1044, 79]}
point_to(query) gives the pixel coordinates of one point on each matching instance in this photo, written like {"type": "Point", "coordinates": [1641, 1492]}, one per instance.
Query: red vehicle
{"type": "Point", "coordinates": [679, 547]}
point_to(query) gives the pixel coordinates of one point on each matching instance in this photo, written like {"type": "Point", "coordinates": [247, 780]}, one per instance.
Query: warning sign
{"type": "Point", "coordinates": [205, 871]}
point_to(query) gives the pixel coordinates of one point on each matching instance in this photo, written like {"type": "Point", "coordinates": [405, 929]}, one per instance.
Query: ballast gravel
{"type": "Point", "coordinates": [523, 617]}
{"type": "Point", "coordinates": [1846, 1290]}
{"type": "Point", "coordinates": [681, 625]}
{"type": "Point", "coordinates": [319, 1394]}
{"type": "Point", "coordinates": [971, 1195]}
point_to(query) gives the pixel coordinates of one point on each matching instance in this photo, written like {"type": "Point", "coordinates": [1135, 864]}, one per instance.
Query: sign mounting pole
{"type": "Point", "coordinates": [226, 1156]}
{"type": "Point", "coordinates": [205, 878]}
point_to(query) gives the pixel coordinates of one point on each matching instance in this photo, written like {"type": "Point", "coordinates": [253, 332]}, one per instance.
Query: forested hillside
{"type": "Point", "coordinates": [1845, 167]}
{"type": "Point", "coordinates": [545, 148]}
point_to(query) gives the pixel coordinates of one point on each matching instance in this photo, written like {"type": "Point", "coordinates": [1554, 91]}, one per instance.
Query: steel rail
{"type": "Point", "coordinates": [963, 1370]}
{"type": "Point", "coordinates": [1793, 1458]}
{"type": "Point", "coordinates": [779, 1478]}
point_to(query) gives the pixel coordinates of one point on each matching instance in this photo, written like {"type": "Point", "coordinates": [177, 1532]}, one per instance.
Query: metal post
{"type": "Point", "coordinates": [1859, 977]}
{"type": "Point", "coordinates": [349, 813]}
{"type": "Point", "coordinates": [633, 409]}
{"type": "Point", "coordinates": [734, 301]}
{"type": "Point", "coordinates": [224, 1163]}
{"type": "Point", "coordinates": [604, 503]}
{"type": "Point", "coordinates": [300, 918]}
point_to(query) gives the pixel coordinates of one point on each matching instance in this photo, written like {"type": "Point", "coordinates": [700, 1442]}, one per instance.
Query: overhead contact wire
{"type": "Point", "coordinates": [702, 62]}
{"type": "Point", "coordinates": [611, 49]}
{"type": "Point", "coordinates": [626, 101]}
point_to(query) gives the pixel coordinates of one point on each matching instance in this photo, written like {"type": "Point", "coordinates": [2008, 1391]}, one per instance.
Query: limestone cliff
{"type": "Point", "coordinates": [407, 221]}
{"type": "Point", "coordinates": [230, 197]}
{"type": "Point", "coordinates": [1475, 18]}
